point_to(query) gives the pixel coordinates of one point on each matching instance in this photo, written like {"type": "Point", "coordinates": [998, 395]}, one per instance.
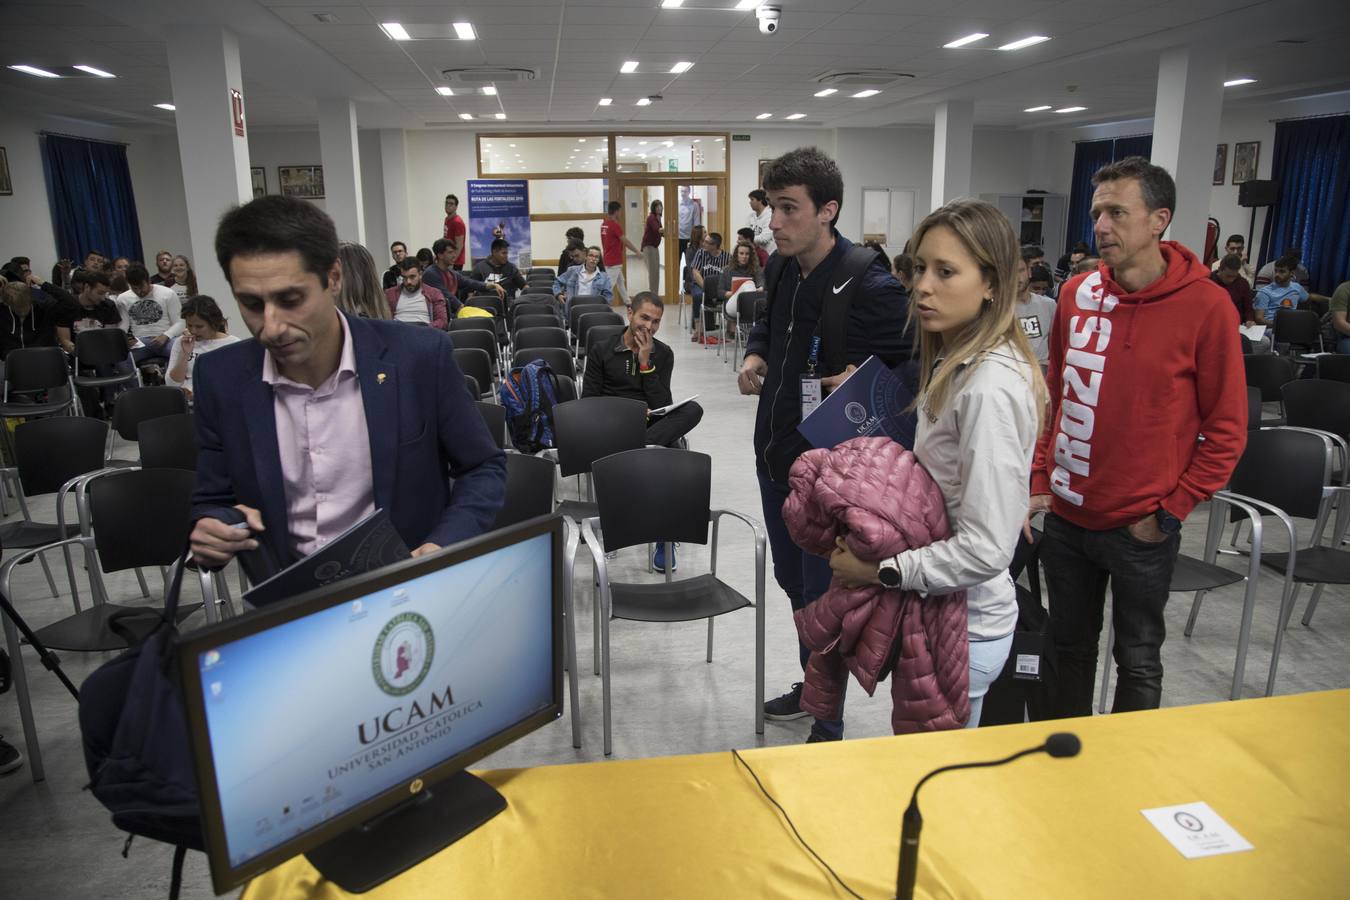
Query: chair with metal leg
{"type": "Point", "coordinates": [559, 359]}
{"type": "Point", "coordinates": [137, 405]}
{"type": "Point", "coordinates": [677, 490]}
{"type": "Point", "coordinates": [494, 417]}
{"type": "Point", "coordinates": [103, 350]}
{"type": "Point", "coordinates": [168, 442]}
{"type": "Point", "coordinates": [476, 364]}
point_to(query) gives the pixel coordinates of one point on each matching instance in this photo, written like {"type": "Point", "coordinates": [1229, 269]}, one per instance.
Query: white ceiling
{"type": "Point", "coordinates": [1103, 55]}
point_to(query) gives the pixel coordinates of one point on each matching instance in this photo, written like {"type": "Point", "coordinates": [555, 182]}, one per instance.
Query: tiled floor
{"type": "Point", "coordinates": [56, 840]}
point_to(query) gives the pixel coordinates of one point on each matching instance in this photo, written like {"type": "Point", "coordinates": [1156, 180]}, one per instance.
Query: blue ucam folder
{"type": "Point", "coordinates": [872, 402]}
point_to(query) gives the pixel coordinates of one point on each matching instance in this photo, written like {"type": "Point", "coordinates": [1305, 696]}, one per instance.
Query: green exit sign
{"type": "Point", "coordinates": [740, 137]}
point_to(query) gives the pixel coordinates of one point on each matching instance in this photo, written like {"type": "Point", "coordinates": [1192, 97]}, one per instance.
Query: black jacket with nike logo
{"type": "Point", "coordinates": [876, 327]}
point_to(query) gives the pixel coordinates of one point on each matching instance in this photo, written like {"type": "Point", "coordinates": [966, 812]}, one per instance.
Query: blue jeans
{"type": "Point", "coordinates": [1343, 345]}
{"type": "Point", "coordinates": [151, 353]}
{"type": "Point", "coordinates": [987, 659]}
{"type": "Point", "coordinates": [801, 575]}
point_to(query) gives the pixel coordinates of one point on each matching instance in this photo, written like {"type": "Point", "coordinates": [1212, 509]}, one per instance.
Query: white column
{"type": "Point", "coordinates": [1186, 131]}
{"type": "Point", "coordinates": [953, 139]}
{"type": "Point", "coordinates": [394, 164]}
{"type": "Point", "coordinates": [203, 69]}
{"type": "Point", "coordinates": [341, 168]}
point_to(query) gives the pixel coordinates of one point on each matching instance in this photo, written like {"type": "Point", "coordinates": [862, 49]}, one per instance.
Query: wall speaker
{"type": "Point", "coordinates": [1258, 193]}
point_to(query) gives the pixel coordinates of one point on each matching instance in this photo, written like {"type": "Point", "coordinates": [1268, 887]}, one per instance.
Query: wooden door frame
{"type": "Point", "coordinates": [671, 181]}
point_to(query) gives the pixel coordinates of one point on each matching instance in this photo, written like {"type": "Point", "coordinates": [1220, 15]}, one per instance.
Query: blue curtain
{"type": "Point", "coordinates": [89, 189]}
{"type": "Point", "coordinates": [1088, 157]}
{"type": "Point", "coordinates": [1312, 166]}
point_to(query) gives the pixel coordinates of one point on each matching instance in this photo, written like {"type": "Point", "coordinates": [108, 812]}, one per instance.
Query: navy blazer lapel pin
{"type": "Point", "coordinates": [379, 379]}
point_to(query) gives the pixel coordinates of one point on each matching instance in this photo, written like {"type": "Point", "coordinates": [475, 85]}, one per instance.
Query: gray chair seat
{"type": "Point", "coordinates": [577, 510]}
{"type": "Point", "coordinates": [24, 410]}
{"type": "Point", "coordinates": [26, 535]}
{"type": "Point", "coordinates": [95, 381]}
{"type": "Point", "coordinates": [700, 597]}
{"type": "Point", "coordinates": [1191, 574]}
{"type": "Point", "coordinates": [87, 631]}
{"type": "Point", "coordinates": [1316, 565]}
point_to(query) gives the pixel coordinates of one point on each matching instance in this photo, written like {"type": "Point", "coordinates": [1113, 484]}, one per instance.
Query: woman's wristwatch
{"type": "Point", "coordinates": [888, 573]}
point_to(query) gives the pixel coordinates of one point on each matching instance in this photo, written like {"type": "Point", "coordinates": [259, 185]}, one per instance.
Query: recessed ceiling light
{"type": "Point", "coordinates": [1025, 42]}
{"type": "Point", "coordinates": [642, 156]}
{"type": "Point", "coordinates": [681, 67]}
{"type": "Point", "coordinates": [169, 106]}
{"type": "Point", "coordinates": [671, 4]}
{"type": "Point", "coordinates": [962, 41]}
{"type": "Point", "coordinates": [626, 150]}
{"type": "Point", "coordinates": [581, 140]}
{"type": "Point", "coordinates": [445, 91]}
{"type": "Point", "coordinates": [92, 71]}
{"type": "Point", "coordinates": [721, 140]}
{"type": "Point", "coordinates": [642, 143]}
{"type": "Point", "coordinates": [1069, 109]}
{"type": "Point", "coordinates": [1233, 83]}
{"type": "Point", "coordinates": [870, 92]}
{"type": "Point", "coordinates": [34, 70]}
{"type": "Point", "coordinates": [748, 4]}
{"type": "Point", "coordinates": [499, 115]}
{"type": "Point", "coordinates": [486, 144]}
{"type": "Point", "coordinates": [606, 101]}
{"type": "Point", "coordinates": [464, 31]}
{"type": "Point", "coordinates": [825, 93]}
{"type": "Point", "coordinates": [512, 146]}
{"type": "Point", "coordinates": [764, 116]}
{"type": "Point", "coordinates": [465, 116]}
{"type": "Point", "coordinates": [629, 67]}
{"type": "Point", "coordinates": [645, 101]}
{"type": "Point", "coordinates": [696, 140]}
{"type": "Point", "coordinates": [796, 116]}
{"type": "Point", "coordinates": [1037, 108]}
{"type": "Point", "coordinates": [670, 143]}
{"type": "Point", "coordinates": [490, 90]}
{"type": "Point", "coordinates": [396, 31]}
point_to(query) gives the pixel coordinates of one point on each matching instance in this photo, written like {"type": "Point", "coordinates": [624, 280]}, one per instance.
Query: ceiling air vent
{"type": "Point", "coordinates": [1292, 41]}
{"type": "Point", "coordinates": [860, 77]}
{"type": "Point", "coordinates": [480, 75]}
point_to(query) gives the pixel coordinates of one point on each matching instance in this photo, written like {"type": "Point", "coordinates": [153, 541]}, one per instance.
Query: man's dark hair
{"type": "Point", "coordinates": [205, 308]}
{"type": "Point", "coordinates": [813, 170]}
{"type": "Point", "coordinates": [747, 233]}
{"type": "Point", "coordinates": [1288, 261]}
{"type": "Point", "coordinates": [575, 245]}
{"type": "Point", "coordinates": [1080, 247]}
{"type": "Point", "coordinates": [398, 244]}
{"type": "Point", "coordinates": [89, 277]}
{"type": "Point", "coordinates": [1156, 185]}
{"type": "Point", "coordinates": [904, 264]}
{"type": "Point", "coordinates": [277, 224]}
{"type": "Point", "coordinates": [98, 253]}
{"type": "Point", "coordinates": [136, 275]}
{"type": "Point", "coordinates": [1236, 239]}
{"type": "Point", "coordinates": [716, 238]}
{"type": "Point", "coordinates": [1030, 252]}
{"type": "Point", "coordinates": [758, 194]}
{"type": "Point", "coordinates": [21, 261]}
{"type": "Point", "coordinates": [613, 206]}
{"type": "Point", "coordinates": [1041, 273]}
{"type": "Point", "coordinates": [575, 234]}
{"type": "Point", "coordinates": [441, 246]}
{"type": "Point", "coordinates": [452, 197]}
{"type": "Point", "coordinates": [642, 297]}
{"type": "Point", "coordinates": [500, 244]}
{"type": "Point", "coordinates": [425, 256]}
{"type": "Point", "coordinates": [1295, 253]}
{"type": "Point", "coordinates": [410, 262]}
{"type": "Point", "coordinates": [1232, 262]}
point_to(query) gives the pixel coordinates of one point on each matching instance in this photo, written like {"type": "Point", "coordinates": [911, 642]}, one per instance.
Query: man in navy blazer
{"type": "Point", "coordinates": [323, 417]}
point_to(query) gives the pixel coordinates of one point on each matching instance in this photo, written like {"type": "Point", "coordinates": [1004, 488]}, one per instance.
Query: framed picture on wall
{"type": "Point", "coordinates": [763, 164]}
{"type": "Point", "coordinates": [1220, 163]}
{"type": "Point", "coordinates": [259, 180]}
{"type": "Point", "coordinates": [6, 185]}
{"type": "Point", "coordinates": [1245, 157]}
{"type": "Point", "coordinates": [305, 182]}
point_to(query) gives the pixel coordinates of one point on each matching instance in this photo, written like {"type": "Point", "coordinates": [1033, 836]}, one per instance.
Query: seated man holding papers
{"type": "Point", "coordinates": [324, 418]}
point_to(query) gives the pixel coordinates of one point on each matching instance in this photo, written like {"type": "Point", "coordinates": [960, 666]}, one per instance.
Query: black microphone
{"type": "Point", "coordinates": [1059, 745]}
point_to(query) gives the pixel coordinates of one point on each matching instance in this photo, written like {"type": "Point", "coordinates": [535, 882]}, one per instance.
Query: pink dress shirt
{"type": "Point", "coordinates": [325, 451]}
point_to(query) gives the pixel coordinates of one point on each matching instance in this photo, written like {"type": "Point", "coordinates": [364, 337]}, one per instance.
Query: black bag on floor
{"type": "Point", "coordinates": [1021, 691]}
{"type": "Point", "coordinates": [136, 738]}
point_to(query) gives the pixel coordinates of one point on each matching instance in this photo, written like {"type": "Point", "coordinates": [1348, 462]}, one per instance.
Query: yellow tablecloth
{"type": "Point", "coordinates": [696, 826]}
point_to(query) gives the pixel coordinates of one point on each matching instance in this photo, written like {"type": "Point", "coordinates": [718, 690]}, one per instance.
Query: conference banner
{"type": "Point", "coordinates": [499, 208]}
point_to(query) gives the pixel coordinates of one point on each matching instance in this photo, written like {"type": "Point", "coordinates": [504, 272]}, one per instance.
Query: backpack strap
{"type": "Point", "coordinates": [847, 281]}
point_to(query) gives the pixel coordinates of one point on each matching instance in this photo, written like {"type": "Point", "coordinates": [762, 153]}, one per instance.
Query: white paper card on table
{"type": "Point", "coordinates": [1196, 830]}
{"type": "Point", "coordinates": [1253, 332]}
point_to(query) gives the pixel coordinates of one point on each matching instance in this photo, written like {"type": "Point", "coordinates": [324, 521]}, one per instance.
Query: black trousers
{"type": "Point", "coordinates": [666, 430]}
{"type": "Point", "coordinates": [1078, 566]}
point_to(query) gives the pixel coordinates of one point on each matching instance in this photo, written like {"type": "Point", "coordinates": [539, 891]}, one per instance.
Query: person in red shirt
{"type": "Point", "coordinates": [1228, 275]}
{"type": "Point", "coordinates": [1147, 418]}
{"type": "Point", "coordinates": [612, 244]}
{"type": "Point", "coordinates": [455, 231]}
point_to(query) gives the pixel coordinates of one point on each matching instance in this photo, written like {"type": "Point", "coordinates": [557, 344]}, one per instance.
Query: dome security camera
{"type": "Point", "coordinates": [770, 17]}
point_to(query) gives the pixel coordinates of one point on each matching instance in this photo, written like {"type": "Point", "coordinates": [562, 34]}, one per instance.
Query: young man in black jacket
{"type": "Point", "coordinates": [787, 343]}
{"type": "Point", "coordinates": [497, 269]}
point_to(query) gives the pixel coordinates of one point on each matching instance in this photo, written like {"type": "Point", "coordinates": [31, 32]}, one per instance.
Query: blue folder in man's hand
{"type": "Point", "coordinates": [872, 402]}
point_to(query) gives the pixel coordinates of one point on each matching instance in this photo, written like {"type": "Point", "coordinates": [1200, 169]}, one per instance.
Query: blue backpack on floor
{"type": "Point", "coordinates": [529, 394]}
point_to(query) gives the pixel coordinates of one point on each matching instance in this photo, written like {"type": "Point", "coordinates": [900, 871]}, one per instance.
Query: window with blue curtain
{"type": "Point", "coordinates": [1088, 157]}
{"type": "Point", "coordinates": [1312, 167]}
{"type": "Point", "coordinates": [89, 190]}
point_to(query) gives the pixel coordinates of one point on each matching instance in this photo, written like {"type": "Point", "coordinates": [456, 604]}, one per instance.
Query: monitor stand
{"type": "Point", "coordinates": [369, 854]}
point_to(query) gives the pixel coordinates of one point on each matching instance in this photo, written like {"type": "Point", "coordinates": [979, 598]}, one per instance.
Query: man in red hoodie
{"type": "Point", "coordinates": [1147, 418]}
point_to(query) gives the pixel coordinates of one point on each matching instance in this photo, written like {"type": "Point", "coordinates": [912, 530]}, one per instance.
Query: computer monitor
{"type": "Point", "coordinates": [338, 723]}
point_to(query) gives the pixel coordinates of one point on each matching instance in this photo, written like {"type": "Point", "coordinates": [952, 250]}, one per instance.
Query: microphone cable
{"type": "Point", "coordinates": [809, 849]}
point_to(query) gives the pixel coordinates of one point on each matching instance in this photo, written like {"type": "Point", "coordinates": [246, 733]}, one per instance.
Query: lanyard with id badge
{"type": "Point", "coordinates": [811, 392]}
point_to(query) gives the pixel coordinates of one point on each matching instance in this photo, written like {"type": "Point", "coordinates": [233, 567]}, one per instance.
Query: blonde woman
{"type": "Point", "coordinates": [980, 406]}
{"type": "Point", "coordinates": [184, 279]}
{"type": "Point", "coordinates": [360, 293]}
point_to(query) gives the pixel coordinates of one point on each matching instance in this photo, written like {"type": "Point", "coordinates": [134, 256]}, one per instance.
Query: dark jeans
{"type": "Point", "coordinates": [150, 353]}
{"type": "Point", "coordinates": [1078, 564]}
{"type": "Point", "coordinates": [666, 430]}
{"type": "Point", "coordinates": [802, 576]}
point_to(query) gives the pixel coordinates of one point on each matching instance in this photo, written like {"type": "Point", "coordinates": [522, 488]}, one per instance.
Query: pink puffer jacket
{"type": "Point", "coordinates": [873, 491]}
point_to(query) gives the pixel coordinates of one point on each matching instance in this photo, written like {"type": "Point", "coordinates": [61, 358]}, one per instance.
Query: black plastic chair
{"type": "Point", "coordinates": [559, 359]}
{"type": "Point", "coordinates": [140, 518]}
{"type": "Point", "coordinates": [1253, 408]}
{"type": "Point", "coordinates": [535, 320]}
{"type": "Point", "coordinates": [581, 306]}
{"type": "Point", "coordinates": [1334, 367]}
{"type": "Point", "coordinates": [103, 348]}
{"type": "Point", "coordinates": [529, 489]}
{"type": "Point", "coordinates": [168, 442]}
{"type": "Point", "coordinates": [567, 389]}
{"type": "Point", "coordinates": [477, 364]}
{"type": "Point", "coordinates": [471, 385]}
{"type": "Point", "coordinates": [37, 383]}
{"type": "Point", "coordinates": [547, 308]}
{"type": "Point", "coordinates": [494, 417]}
{"type": "Point", "coordinates": [140, 404]}
{"type": "Point", "coordinates": [677, 492]}
{"type": "Point", "coordinates": [1268, 373]}
{"type": "Point", "coordinates": [540, 288]}
{"type": "Point", "coordinates": [474, 323]}
{"type": "Point", "coordinates": [540, 270]}
{"type": "Point", "coordinates": [598, 336]}
{"type": "Point", "coordinates": [491, 302]}
{"type": "Point", "coordinates": [532, 338]}
{"type": "Point", "coordinates": [1300, 329]}
{"type": "Point", "coordinates": [1314, 403]}
{"type": "Point", "coordinates": [590, 429]}
{"type": "Point", "coordinates": [593, 320]}
{"type": "Point", "coordinates": [480, 339]}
